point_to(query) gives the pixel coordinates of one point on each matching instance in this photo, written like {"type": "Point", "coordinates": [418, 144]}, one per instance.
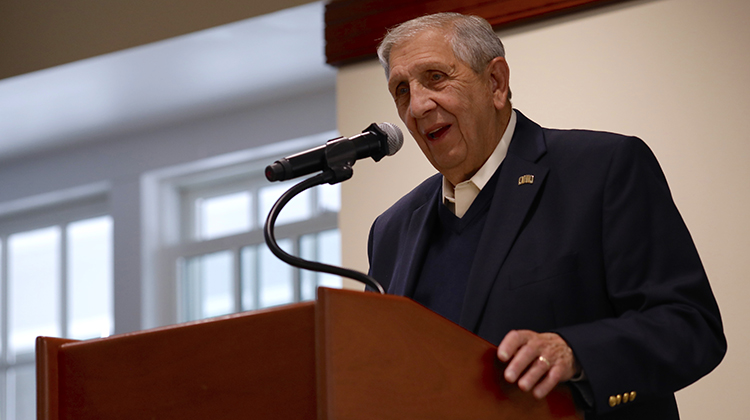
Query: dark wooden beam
{"type": "Point", "coordinates": [39, 34]}
{"type": "Point", "coordinates": [355, 27]}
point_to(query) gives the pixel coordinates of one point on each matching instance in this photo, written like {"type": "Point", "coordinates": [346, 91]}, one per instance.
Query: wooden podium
{"type": "Point", "coordinates": [349, 355]}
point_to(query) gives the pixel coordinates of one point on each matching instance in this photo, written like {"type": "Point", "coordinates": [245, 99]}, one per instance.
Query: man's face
{"type": "Point", "coordinates": [453, 113]}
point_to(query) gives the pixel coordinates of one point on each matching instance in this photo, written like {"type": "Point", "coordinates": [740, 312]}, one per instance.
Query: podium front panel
{"type": "Point", "coordinates": [382, 357]}
{"type": "Point", "coordinates": [252, 365]}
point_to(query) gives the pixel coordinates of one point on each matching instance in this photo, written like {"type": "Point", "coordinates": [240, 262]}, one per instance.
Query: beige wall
{"type": "Point", "coordinates": [673, 72]}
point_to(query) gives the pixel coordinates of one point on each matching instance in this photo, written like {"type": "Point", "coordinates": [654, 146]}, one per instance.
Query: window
{"type": "Point", "coordinates": [220, 261]}
{"type": "Point", "coordinates": [245, 275]}
{"type": "Point", "coordinates": [56, 278]}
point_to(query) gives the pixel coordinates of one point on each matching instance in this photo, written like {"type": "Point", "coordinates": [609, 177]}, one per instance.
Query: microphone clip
{"type": "Point", "coordinates": [340, 156]}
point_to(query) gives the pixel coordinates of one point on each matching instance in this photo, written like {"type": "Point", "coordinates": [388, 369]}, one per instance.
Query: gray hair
{"type": "Point", "coordinates": [471, 37]}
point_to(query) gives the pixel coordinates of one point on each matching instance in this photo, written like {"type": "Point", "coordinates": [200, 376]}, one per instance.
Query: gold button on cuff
{"type": "Point", "coordinates": [616, 400]}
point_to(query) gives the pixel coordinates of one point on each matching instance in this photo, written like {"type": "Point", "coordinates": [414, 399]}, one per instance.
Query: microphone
{"type": "Point", "coordinates": [376, 141]}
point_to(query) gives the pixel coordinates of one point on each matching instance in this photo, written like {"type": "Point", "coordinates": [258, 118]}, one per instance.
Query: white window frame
{"type": "Point", "coordinates": [188, 247]}
{"type": "Point", "coordinates": [59, 208]}
{"type": "Point", "coordinates": [164, 229]}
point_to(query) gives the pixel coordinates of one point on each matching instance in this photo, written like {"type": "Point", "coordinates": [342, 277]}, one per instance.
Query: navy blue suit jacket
{"type": "Point", "coordinates": [593, 249]}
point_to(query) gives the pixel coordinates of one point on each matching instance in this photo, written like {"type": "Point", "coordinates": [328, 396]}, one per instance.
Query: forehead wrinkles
{"type": "Point", "coordinates": [415, 64]}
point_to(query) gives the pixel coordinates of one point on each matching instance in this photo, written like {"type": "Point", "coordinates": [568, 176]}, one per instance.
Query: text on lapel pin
{"type": "Point", "coordinates": [526, 179]}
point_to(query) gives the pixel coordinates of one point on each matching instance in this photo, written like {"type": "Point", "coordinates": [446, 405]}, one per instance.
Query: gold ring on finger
{"type": "Point", "coordinates": [545, 361]}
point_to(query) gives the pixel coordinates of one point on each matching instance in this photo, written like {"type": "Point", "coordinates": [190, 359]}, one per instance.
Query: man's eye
{"type": "Point", "coordinates": [402, 90]}
{"type": "Point", "coordinates": [436, 77]}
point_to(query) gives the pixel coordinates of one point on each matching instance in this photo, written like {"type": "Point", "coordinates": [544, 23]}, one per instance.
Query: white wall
{"type": "Point", "coordinates": [673, 72]}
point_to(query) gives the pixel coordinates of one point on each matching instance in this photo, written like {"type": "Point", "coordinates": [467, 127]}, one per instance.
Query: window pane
{"type": "Point", "coordinates": [3, 299]}
{"type": "Point", "coordinates": [33, 280]}
{"type": "Point", "coordinates": [299, 208]}
{"type": "Point", "coordinates": [329, 197]}
{"type": "Point", "coordinates": [329, 252]}
{"type": "Point", "coordinates": [224, 215]}
{"type": "Point", "coordinates": [324, 247]}
{"type": "Point", "coordinates": [209, 285]}
{"type": "Point", "coordinates": [276, 277]}
{"type": "Point", "coordinates": [21, 393]}
{"type": "Point", "coordinates": [90, 278]}
{"type": "Point", "coordinates": [308, 279]}
{"type": "Point", "coordinates": [249, 277]}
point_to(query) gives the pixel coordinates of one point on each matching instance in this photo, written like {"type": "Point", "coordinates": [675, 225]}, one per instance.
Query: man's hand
{"type": "Point", "coordinates": [537, 361]}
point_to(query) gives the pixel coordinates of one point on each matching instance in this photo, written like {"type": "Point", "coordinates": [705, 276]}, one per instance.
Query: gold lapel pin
{"type": "Point", "coordinates": [526, 179]}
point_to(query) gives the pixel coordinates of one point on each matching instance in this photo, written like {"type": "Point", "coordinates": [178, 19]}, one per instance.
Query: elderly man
{"type": "Point", "coordinates": [563, 247]}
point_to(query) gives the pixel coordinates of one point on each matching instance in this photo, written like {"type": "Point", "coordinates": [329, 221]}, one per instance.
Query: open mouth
{"type": "Point", "coordinates": [436, 134]}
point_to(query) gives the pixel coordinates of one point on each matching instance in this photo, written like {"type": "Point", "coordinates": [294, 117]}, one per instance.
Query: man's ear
{"type": "Point", "coordinates": [499, 74]}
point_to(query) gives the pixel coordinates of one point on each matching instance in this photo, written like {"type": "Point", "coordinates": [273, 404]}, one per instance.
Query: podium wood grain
{"type": "Point", "coordinates": [387, 357]}
{"type": "Point", "coordinates": [252, 365]}
{"type": "Point", "coordinates": [348, 356]}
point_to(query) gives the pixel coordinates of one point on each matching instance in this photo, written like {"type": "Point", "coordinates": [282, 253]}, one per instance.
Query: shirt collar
{"type": "Point", "coordinates": [484, 173]}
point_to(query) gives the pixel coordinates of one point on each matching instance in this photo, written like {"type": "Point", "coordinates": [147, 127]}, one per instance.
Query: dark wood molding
{"type": "Point", "coordinates": [39, 34]}
{"type": "Point", "coordinates": [354, 27]}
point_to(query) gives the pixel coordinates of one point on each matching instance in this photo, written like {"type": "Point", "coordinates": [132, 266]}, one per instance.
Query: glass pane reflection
{"type": "Point", "coordinates": [276, 277]}
{"type": "Point", "coordinates": [90, 278]}
{"type": "Point", "coordinates": [34, 287]}
{"type": "Point", "coordinates": [298, 208]}
{"type": "Point", "coordinates": [224, 215]}
{"type": "Point", "coordinates": [324, 247]}
{"type": "Point", "coordinates": [21, 393]}
{"type": "Point", "coordinates": [209, 285]}
{"type": "Point", "coordinates": [249, 276]}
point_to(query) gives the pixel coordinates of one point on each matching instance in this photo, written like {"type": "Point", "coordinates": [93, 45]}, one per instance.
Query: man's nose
{"type": "Point", "coordinates": [421, 101]}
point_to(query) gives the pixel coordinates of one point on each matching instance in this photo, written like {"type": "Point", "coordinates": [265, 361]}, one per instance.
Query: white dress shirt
{"type": "Point", "coordinates": [459, 198]}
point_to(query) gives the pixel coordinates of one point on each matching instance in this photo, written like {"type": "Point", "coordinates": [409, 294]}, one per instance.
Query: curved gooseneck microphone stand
{"type": "Point", "coordinates": [335, 159]}
{"type": "Point", "coordinates": [331, 176]}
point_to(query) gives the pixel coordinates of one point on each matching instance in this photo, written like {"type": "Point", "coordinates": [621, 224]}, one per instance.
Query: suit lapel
{"type": "Point", "coordinates": [513, 198]}
{"type": "Point", "coordinates": [418, 235]}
